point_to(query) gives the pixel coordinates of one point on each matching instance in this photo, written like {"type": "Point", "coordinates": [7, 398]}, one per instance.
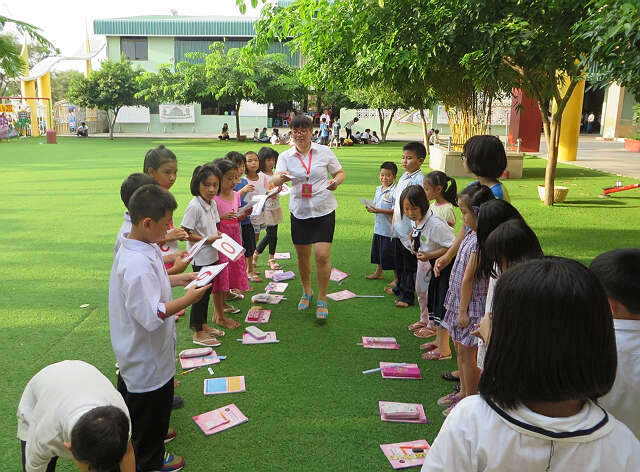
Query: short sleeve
{"type": "Point", "coordinates": [143, 300]}
{"type": "Point", "coordinates": [190, 217]}
{"type": "Point", "coordinates": [442, 234]}
{"type": "Point", "coordinates": [448, 451]}
{"type": "Point", "coordinates": [215, 211]}
{"type": "Point", "coordinates": [281, 165]}
{"type": "Point", "coordinates": [333, 165]}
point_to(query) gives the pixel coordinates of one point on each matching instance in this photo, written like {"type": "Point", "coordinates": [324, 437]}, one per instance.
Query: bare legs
{"type": "Point", "coordinates": [322, 258]}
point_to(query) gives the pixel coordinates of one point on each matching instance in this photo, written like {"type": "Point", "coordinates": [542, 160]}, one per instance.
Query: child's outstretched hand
{"type": "Point", "coordinates": [176, 234]}
{"type": "Point", "coordinates": [246, 189]}
{"type": "Point", "coordinates": [372, 209]}
{"type": "Point", "coordinates": [463, 319]}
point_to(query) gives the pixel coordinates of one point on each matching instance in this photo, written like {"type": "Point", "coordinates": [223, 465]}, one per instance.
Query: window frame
{"type": "Point", "coordinates": [135, 40]}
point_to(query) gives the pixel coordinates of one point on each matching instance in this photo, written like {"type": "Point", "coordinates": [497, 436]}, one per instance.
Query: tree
{"type": "Point", "coordinates": [110, 88]}
{"type": "Point", "coordinates": [381, 99]}
{"type": "Point", "coordinates": [12, 66]}
{"type": "Point", "coordinates": [60, 83]}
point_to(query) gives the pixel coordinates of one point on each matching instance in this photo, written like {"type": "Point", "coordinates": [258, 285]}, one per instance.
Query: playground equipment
{"type": "Point", "coordinates": [618, 188]}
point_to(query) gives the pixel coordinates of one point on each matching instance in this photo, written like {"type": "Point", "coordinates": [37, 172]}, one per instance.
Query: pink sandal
{"type": "Point", "coordinates": [435, 356]}
{"type": "Point", "coordinates": [417, 325]}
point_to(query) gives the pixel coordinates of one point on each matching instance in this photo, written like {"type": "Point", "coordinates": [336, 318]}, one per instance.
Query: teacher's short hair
{"type": "Point", "coordinates": [301, 121]}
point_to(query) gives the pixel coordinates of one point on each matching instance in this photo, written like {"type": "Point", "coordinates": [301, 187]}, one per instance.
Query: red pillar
{"type": "Point", "coordinates": [525, 122]}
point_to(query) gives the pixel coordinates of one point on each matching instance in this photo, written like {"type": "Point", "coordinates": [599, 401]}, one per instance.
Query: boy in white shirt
{"type": "Point", "coordinates": [143, 333]}
{"type": "Point", "coordinates": [619, 273]}
{"type": "Point", "coordinates": [69, 409]}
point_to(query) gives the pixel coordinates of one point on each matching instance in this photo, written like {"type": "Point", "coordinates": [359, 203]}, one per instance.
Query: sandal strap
{"type": "Point", "coordinates": [322, 304]}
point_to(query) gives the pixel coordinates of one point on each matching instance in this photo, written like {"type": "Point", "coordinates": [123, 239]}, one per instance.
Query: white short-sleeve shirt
{"type": "Point", "coordinates": [124, 229]}
{"type": "Point", "coordinates": [402, 224]}
{"type": "Point", "coordinates": [435, 233]}
{"type": "Point", "coordinates": [142, 336]}
{"type": "Point", "coordinates": [323, 162]}
{"type": "Point", "coordinates": [201, 217]}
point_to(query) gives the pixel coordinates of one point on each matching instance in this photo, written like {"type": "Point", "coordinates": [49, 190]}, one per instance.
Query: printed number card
{"type": "Point", "coordinates": [337, 275]}
{"type": "Point", "coordinates": [406, 454]}
{"type": "Point", "coordinates": [288, 275]}
{"type": "Point", "coordinates": [282, 255]}
{"type": "Point", "coordinates": [257, 315]}
{"type": "Point", "coordinates": [402, 412]}
{"type": "Point", "coordinates": [269, 273]}
{"type": "Point", "coordinates": [223, 418]}
{"type": "Point", "coordinates": [229, 247]}
{"type": "Point", "coordinates": [341, 295]}
{"type": "Point", "coordinates": [194, 250]}
{"type": "Point", "coordinates": [206, 275]}
{"type": "Point", "coordinates": [270, 338]}
{"type": "Point", "coordinates": [279, 287]}
{"type": "Point", "coordinates": [371, 342]}
{"type": "Point", "coordinates": [221, 385]}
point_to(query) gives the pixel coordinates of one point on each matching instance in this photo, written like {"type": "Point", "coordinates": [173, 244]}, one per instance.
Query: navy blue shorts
{"type": "Point", "coordinates": [382, 252]}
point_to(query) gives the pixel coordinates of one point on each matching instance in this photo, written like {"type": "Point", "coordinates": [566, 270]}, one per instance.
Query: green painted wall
{"type": "Point", "coordinates": [160, 51]}
{"type": "Point", "coordinates": [626, 115]}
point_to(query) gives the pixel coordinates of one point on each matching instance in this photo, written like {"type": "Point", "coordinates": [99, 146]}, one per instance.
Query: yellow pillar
{"type": "Point", "coordinates": [88, 61]}
{"type": "Point", "coordinates": [570, 128]}
{"type": "Point", "coordinates": [44, 88]}
{"type": "Point", "coordinates": [28, 90]}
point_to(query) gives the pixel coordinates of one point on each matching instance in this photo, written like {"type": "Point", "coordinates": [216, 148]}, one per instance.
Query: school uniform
{"type": "Point", "coordinates": [200, 217]}
{"type": "Point", "coordinates": [246, 228]}
{"type": "Point", "coordinates": [51, 405]}
{"type": "Point", "coordinates": [381, 246]}
{"type": "Point", "coordinates": [624, 398]}
{"type": "Point", "coordinates": [405, 260]}
{"type": "Point", "coordinates": [143, 338]}
{"type": "Point", "coordinates": [124, 229]}
{"type": "Point", "coordinates": [312, 217]}
{"type": "Point", "coordinates": [478, 436]}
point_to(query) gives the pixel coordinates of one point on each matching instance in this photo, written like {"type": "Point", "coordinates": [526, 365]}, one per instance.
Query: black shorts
{"type": "Point", "coordinates": [382, 252]}
{"type": "Point", "coordinates": [313, 230]}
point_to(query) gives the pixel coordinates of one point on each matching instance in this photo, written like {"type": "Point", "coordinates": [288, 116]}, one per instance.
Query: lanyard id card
{"type": "Point", "coordinates": [307, 189]}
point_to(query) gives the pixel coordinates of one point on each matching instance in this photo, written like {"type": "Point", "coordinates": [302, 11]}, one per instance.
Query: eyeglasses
{"type": "Point", "coordinates": [300, 130]}
{"type": "Point", "coordinates": [462, 157]}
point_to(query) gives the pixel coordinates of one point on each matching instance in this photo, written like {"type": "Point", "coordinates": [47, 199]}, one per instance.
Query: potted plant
{"type": "Point", "coordinates": [633, 143]}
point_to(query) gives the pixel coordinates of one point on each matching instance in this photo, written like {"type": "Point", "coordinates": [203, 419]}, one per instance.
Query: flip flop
{"type": "Point", "coordinates": [214, 332]}
{"type": "Point", "coordinates": [254, 278]}
{"type": "Point", "coordinates": [388, 290]}
{"type": "Point", "coordinates": [400, 304]}
{"type": "Point", "coordinates": [448, 375]}
{"type": "Point", "coordinates": [208, 342]}
{"type": "Point", "coordinates": [417, 325]}
{"type": "Point", "coordinates": [373, 277]}
{"type": "Point", "coordinates": [305, 301]}
{"type": "Point", "coordinates": [435, 356]}
{"type": "Point", "coordinates": [424, 333]}
{"type": "Point", "coordinates": [231, 310]}
{"type": "Point", "coordinates": [428, 346]}
{"type": "Point", "coordinates": [321, 315]}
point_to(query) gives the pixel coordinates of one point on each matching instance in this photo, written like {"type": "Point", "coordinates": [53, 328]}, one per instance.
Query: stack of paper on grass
{"type": "Point", "coordinates": [257, 315]}
{"type": "Point", "coordinates": [267, 298]}
{"type": "Point", "coordinates": [221, 385]}
{"type": "Point", "coordinates": [341, 295]}
{"type": "Point", "coordinates": [271, 338]}
{"type": "Point", "coordinates": [221, 419]}
{"type": "Point", "coordinates": [337, 275]}
{"type": "Point", "coordinates": [402, 412]}
{"type": "Point", "coordinates": [269, 273]}
{"type": "Point", "coordinates": [288, 275]}
{"type": "Point", "coordinates": [276, 287]}
{"type": "Point", "coordinates": [406, 454]}
{"type": "Point", "coordinates": [200, 361]}
{"type": "Point", "coordinates": [392, 370]}
{"type": "Point", "coordinates": [371, 342]}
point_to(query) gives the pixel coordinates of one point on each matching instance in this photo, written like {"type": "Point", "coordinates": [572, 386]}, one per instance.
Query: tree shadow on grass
{"type": "Point", "coordinates": [561, 172]}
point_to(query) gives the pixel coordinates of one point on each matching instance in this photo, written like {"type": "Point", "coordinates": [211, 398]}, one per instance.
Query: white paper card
{"type": "Point", "coordinates": [368, 203]}
{"type": "Point", "coordinates": [206, 275]}
{"type": "Point", "coordinates": [194, 250]}
{"type": "Point", "coordinates": [228, 246]}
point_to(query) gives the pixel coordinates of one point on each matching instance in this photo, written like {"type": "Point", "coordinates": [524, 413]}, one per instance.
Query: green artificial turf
{"type": "Point", "coordinates": [309, 406]}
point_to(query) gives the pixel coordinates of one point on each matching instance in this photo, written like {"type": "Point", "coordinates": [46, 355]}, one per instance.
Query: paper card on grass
{"type": "Point", "coordinates": [269, 273]}
{"type": "Point", "coordinates": [221, 385]}
{"type": "Point", "coordinates": [282, 255]}
{"type": "Point", "coordinates": [341, 295]}
{"type": "Point", "coordinates": [367, 202]}
{"type": "Point", "coordinates": [257, 315]}
{"type": "Point", "coordinates": [267, 298]}
{"type": "Point", "coordinates": [288, 275]}
{"type": "Point", "coordinates": [371, 342]}
{"type": "Point", "coordinates": [201, 361]}
{"type": "Point", "coordinates": [337, 275]}
{"type": "Point", "coordinates": [406, 454]}
{"type": "Point", "coordinates": [194, 250]}
{"type": "Point", "coordinates": [271, 338]}
{"type": "Point", "coordinates": [229, 247]}
{"type": "Point", "coordinates": [221, 419]}
{"type": "Point", "coordinates": [279, 287]}
{"type": "Point", "coordinates": [206, 275]}
{"type": "Point", "coordinates": [402, 412]}
{"type": "Point", "coordinates": [391, 370]}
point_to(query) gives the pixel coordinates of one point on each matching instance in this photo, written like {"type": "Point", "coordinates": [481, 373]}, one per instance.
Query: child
{"type": "Point", "coordinates": [65, 411]}
{"type": "Point", "coordinates": [324, 132]}
{"type": "Point", "coordinates": [444, 191]}
{"type": "Point", "coordinates": [431, 236]}
{"type": "Point", "coordinates": [162, 164]}
{"type": "Point", "coordinates": [335, 136]}
{"type": "Point", "coordinates": [413, 155]}
{"type": "Point", "coordinates": [466, 297]}
{"type": "Point", "coordinates": [143, 331]}
{"type": "Point", "coordinates": [199, 221]}
{"type": "Point", "coordinates": [234, 276]}
{"type": "Point", "coordinates": [256, 135]}
{"type": "Point", "coordinates": [381, 246]}
{"type": "Point", "coordinates": [272, 215]}
{"type": "Point", "coordinates": [619, 273]}
{"type": "Point", "coordinates": [551, 355]}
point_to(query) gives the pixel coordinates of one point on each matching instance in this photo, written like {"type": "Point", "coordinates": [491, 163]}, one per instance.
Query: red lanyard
{"type": "Point", "coordinates": [307, 169]}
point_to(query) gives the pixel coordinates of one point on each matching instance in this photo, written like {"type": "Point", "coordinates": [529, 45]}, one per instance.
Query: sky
{"type": "Point", "coordinates": [65, 23]}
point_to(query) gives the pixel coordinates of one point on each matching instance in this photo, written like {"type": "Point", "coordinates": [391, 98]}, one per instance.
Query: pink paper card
{"type": "Point", "coordinates": [406, 454]}
{"type": "Point", "coordinates": [341, 295]}
{"type": "Point", "coordinates": [271, 338]}
{"type": "Point", "coordinates": [370, 342]}
{"type": "Point", "coordinates": [255, 315]}
{"type": "Point", "coordinates": [267, 298]}
{"type": "Point", "coordinates": [219, 420]}
{"type": "Point", "coordinates": [282, 255]}
{"type": "Point", "coordinates": [191, 362]}
{"type": "Point", "coordinates": [337, 275]}
{"type": "Point", "coordinates": [276, 287]}
{"type": "Point", "coordinates": [288, 275]}
{"type": "Point", "coordinates": [402, 412]}
{"type": "Point", "coordinates": [391, 370]}
{"type": "Point", "coordinates": [229, 247]}
{"type": "Point", "coordinates": [269, 273]}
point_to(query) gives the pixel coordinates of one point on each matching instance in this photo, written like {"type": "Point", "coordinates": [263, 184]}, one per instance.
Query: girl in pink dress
{"type": "Point", "coordinates": [235, 274]}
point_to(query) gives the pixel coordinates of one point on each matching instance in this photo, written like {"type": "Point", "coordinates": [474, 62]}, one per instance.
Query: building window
{"type": "Point", "coordinates": [134, 49]}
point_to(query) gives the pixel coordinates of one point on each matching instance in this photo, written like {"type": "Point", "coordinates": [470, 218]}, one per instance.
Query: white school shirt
{"type": "Point", "coordinates": [474, 437]}
{"type": "Point", "coordinates": [142, 336]}
{"type": "Point", "coordinates": [624, 398]}
{"type": "Point", "coordinates": [201, 217]}
{"type": "Point", "coordinates": [435, 233]}
{"type": "Point", "coordinates": [124, 229]}
{"type": "Point", "coordinates": [323, 162]}
{"type": "Point", "coordinates": [488, 308]}
{"type": "Point", "coordinates": [53, 402]}
{"type": "Point", "coordinates": [402, 226]}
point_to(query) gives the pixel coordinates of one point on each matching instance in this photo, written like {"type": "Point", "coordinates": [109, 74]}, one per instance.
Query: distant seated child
{"type": "Point", "coordinates": [256, 135]}
{"type": "Point", "coordinates": [619, 273]}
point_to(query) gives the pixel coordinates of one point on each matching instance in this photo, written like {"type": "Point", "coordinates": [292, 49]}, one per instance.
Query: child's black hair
{"type": "Point", "coordinates": [390, 166]}
{"type": "Point", "coordinates": [156, 157]}
{"type": "Point", "coordinates": [100, 437]}
{"type": "Point", "coordinates": [133, 183]}
{"type": "Point", "coordinates": [490, 215]}
{"type": "Point", "coordinates": [485, 156]}
{"type": "Point", "coordinates": [236, 157]}
{"type": "Point", "coordinates": [416, 196]}
{"type": "Point", "coordinates": [301, 121]}
{"type": "Point", "coordinates": [619, 273]}
{"type": "Point", "coordinates": [224, 166]}
{"type": "Point", "coordinates": [449, 186]}
{"type": "Point", "coordinates": [474, 195]}
{"type": "Point", "coordinates": [512, 242]}
{"type": "Point", "coordinates": [417, 147]}
{"type": "Point", "coordinates": [267, 153]}
{"type": "Point", "coordinates": [150, 201]}
{"type": "Point", "coordinates": [552, 336]}
{"type": "Point", "coordinates": [202, 173]}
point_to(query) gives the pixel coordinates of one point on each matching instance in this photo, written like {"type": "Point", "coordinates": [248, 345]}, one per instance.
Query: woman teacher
{"type": "Point", "coordinates": [312, 205]}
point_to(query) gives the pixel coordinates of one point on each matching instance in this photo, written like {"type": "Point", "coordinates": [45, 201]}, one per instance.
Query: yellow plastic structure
{"type": "Point", "coordinates": [570, 128]}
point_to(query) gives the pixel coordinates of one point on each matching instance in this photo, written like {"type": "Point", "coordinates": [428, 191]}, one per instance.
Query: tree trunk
{"type": "Point", "coordinates": [383, 135]}
{"type": "Point", "coordinates": [552, 159]}
{"type": "Point", "coordinates": [112, 122]}
{"type": "Point", "coordinates": [386, 130]}
{"type": "Point", "coordinates": [238, 121]}
{"type": "Point", "coordinates": [425, 136]}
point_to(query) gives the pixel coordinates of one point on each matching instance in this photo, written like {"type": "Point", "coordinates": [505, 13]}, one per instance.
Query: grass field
{"type": "Point", "coordinates": [309, 406]}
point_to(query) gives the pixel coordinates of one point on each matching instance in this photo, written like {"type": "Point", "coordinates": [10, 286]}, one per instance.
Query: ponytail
{"type": "Point", "coordinates": [448, 184]}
